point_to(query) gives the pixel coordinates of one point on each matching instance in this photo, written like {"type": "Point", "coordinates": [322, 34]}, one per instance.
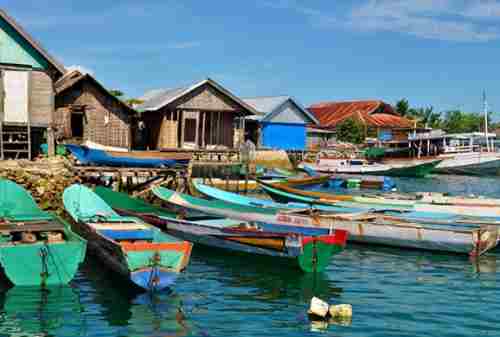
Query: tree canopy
{"type": "Point", "coordinates": [351, 131]}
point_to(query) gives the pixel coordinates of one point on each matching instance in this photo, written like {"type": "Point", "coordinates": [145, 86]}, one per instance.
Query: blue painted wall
{"type": "Point", "coordinates": [284, 136]}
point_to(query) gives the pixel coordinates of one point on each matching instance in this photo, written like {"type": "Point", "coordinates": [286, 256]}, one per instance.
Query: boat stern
{"type": "Point", "coordinates": [155, 266]}
{"type": "Point", "coordinates": [153, 278]}
{"type": "Point", "coordinates": [318, 250]}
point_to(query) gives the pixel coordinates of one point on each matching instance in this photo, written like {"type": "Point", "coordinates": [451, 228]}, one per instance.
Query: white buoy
{"type": "Point", "coordinates": [343, 311]}
{"type": "Point", "coordinates": [318, 307]}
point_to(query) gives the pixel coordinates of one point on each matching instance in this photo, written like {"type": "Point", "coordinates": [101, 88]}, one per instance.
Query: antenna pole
{"type": "Point", "coordinates": [485, 103]}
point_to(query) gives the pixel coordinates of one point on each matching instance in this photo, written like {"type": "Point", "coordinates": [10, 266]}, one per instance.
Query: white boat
{"type": "Point", "coordinates": [407, 168]}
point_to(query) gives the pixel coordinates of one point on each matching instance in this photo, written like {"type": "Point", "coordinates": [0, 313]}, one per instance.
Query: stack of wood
{"type": "Point", "coordinates": [45, 179]}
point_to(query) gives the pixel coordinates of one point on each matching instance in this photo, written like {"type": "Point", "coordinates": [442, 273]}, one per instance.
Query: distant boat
{"type": "Point", "coordinates": [36, 248]}
{"type": "Point", "coordinates": [409, 168]}
{"type": "Point", "coordinates": [311, 254]}
{"type": "Point", "coordinates": [434, 203]}
{"type": "Point", "coordinates": [130, 247]}
{"type": "Point", "coordinates": [448, 235]}
{"type": "Point", "coordinates": [153, 159]}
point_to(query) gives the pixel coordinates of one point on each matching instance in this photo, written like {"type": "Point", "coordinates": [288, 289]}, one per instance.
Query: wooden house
{"type": "Point", "coordinates": [280, 123]}
{"type": "Point", "coordinates": [204, 115]}
{"type": "Point", "coordinates": [380, 119]}
{"type": "Point", "coordinates": [27, 76]}
{"type": "Point", "coordinates": [86, 111]}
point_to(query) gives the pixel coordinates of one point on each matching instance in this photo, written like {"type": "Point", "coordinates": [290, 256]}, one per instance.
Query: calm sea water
{"type": "Point", "coordinates": [393, 293]}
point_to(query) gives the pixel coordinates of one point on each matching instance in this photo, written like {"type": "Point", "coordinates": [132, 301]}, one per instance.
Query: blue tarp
{"type": "Point", "coordinates": [284, 136]}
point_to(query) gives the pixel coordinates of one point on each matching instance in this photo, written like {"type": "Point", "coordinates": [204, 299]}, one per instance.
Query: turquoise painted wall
{"type": "Point", "coordinates": [15, 49]}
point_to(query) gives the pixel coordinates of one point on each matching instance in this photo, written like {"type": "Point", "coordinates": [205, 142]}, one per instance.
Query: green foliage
{"type": "Point", "coordinates": [351, 131]}
{"type": "Point", "coordinates": [403, 107]}
{"type": "Point", "coordinates": [133, 101]}
{"type": "Point", "coordinates": [456, 121]}
{"type": "Point", "coordinates": [426, 117]}
{"type": "Point", "coordinates": [116, 93]}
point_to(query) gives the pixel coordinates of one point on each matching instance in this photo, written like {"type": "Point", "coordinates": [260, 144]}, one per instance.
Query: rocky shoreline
{"type": "Point", "coordinates": [44, 178]}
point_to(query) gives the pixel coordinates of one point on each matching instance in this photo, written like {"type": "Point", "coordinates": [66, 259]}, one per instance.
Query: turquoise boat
{"type": "Point", "coordinates": [128, 246]}
{"type": "Point", "coordinates": [36, 248]}
{"type": "Point", "coordinates": [218, 194]}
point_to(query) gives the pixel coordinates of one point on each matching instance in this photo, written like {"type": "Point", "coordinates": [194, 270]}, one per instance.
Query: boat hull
{"type": "Point", "coordinates": [372, 229]}
{"type": "Point", "coordinates": [42, 265]}
{"type": "Point", "coordinates": [412, 169]}
{"type": "Point", "coordinates": [132, 249]}
{"type": "Point", "coordinates": [88, 156]}
{"type": "Point", "coordinates": [310, 254]}
{"type": "Point", "coordinates": [473, 166]}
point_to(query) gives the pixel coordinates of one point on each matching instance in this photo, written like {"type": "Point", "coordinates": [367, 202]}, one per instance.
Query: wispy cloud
{"type": "Point", "coordinates": [184, 45]}
{"type": "Point", "coordinates": [450, 20]}
{"type": "Point", "coordinates": [80, 68]}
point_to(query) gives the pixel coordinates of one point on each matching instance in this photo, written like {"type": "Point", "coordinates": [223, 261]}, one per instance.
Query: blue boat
{"type": "Point", "coordinates": [153, 159]}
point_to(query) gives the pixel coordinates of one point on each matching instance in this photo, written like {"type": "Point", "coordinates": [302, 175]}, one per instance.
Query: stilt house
{"type": "Point", "coordinates": [204, 115]}
{"type": "Point", "coordinates": [27, 76]}
{"type": "Point", "coordinates": [86, 111]}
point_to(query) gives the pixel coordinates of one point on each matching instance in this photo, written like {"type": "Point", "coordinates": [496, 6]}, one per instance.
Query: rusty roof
{"type": "Point", "coordinates": [373, 113]}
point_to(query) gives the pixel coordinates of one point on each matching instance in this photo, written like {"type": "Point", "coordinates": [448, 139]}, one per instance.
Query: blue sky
{"type": "Point", "coordinates": [434, 52]}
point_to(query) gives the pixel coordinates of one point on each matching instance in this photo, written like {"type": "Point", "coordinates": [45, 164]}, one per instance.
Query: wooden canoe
{"type": "Point", "coordinates": [425, 203]}
{"type": "Point", "coordinates": [362, 228]}
{"type": "Point", "coordinates": [49, 251]}
{"type": "Point", "coordinates": [309, 253]}
{"type": "Point", "coordinates": [128, 246]}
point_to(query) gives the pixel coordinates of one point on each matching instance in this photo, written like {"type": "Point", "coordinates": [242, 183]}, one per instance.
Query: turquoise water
{"type": "Point", "coordinates": [393, 293]}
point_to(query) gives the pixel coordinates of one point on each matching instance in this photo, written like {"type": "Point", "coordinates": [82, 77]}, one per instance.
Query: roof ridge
{"type": "Point", "coordinates": [32, 41]}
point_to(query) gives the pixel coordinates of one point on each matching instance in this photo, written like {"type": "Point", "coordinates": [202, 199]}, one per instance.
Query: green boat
{"type": "Point", "coordinates": [36, 248]}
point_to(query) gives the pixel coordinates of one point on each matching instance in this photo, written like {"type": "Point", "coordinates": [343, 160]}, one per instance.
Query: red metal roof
{"type": "Point", "coordinates": [372, 113]}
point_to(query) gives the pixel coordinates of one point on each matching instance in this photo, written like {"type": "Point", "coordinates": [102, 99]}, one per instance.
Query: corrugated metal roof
{"type": "Point", "coordinates": [268, 106]}
{"type": "Point", "coordinates": [161, 97]}
{"type": "Point", "coordinates": [374, 113]}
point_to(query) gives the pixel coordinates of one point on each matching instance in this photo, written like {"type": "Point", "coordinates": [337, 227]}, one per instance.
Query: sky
{"type": "Point", "coordinates": [440, 53]}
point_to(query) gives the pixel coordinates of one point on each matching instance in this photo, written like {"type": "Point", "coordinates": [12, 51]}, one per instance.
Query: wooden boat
{"type": "Point", "coordinates": [362, 228]}
{"type": "Point", "coordinates": [215, 193]}
{"type": "Point", "coordinates": [130, 247]}
{"type": "Point", "coordinates": [422, 203]}
{"type": "Point", "coordinates": [36, 248]}
{"type": "Point", "coordinates": [89, 156]}
{"type": "Point", "coordinates": [311, 254]}
{"type": "Point", "coordinates": [409, 168]}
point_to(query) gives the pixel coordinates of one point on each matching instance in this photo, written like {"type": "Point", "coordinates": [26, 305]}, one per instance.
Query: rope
{"type": "Point", "coordinates": [45, 269]}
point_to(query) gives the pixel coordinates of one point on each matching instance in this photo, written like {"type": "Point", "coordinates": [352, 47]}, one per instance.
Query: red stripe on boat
{"type": "Point", "coordinates": [338, 238]}
{"type": "Point", "coordinates": [141, 246]}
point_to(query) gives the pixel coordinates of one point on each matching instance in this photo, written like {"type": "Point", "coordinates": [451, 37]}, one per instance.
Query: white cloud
{"type": "Point", "coordinates": [450, 20]}
{"type": "Point", "coordinates": [80, 68]}
{"type": "Point", "coordinates": [184, 45]}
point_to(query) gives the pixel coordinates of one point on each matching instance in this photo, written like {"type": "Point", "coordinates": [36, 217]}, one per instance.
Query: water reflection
{"type": "Point", "coordinates": [264, 278]}
{"type": "Point", "coordinates": [133, 312]}
{"type": "Point", "coordinates": [36, 312]}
